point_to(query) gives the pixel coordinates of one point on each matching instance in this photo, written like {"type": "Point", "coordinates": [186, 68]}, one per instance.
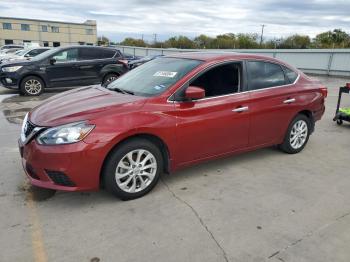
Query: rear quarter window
{"type": "Point", "coordinates": [290, 74]}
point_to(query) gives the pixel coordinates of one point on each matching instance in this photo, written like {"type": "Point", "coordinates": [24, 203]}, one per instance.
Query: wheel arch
{"type": "Point", "coordinates": [31, 74]}
{"type": "Point", "coordinates": [151, 137]}
{"type": "Point", "coordinates": [308, 114]}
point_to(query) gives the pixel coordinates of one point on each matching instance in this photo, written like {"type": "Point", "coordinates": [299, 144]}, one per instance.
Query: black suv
{"type": "Point", "coordinates": [64, 67]}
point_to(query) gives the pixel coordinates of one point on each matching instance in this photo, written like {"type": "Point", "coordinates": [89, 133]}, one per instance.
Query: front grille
{"type": "Point", "coordinates": [29, 127]}
{"type": "Point", "coordinates": [31, 172]}
{"type": "Point", "coordinates": [59, 178]}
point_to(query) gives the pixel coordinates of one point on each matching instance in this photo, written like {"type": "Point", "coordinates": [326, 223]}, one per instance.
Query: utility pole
{"type": "Point", "coordinates": [155, 38]}
{"type": "Point", "coordinates": [262, 34]}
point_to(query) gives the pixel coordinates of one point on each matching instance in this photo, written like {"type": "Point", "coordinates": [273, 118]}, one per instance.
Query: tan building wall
{"type": "Point", "coordinates": [13, 30]}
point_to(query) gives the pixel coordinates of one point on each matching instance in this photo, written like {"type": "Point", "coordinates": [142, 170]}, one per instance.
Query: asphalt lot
{"type": "Point", "coordinates": [259, 206]}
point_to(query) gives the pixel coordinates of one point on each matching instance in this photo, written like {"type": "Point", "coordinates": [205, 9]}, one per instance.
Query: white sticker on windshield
{"type": "Point", "coordinates": [165, 74]}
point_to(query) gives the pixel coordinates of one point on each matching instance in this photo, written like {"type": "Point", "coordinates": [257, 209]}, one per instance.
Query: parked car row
{"type": "Point", "coordinates": [22, 54]}
{"type": "Point", "coordinates": [63, 67]}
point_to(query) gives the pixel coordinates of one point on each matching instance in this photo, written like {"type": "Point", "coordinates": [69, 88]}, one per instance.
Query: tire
{"type": "Point", "coordinates": [31, 86]}
{"type": "Point", "coordinates": [297, 135]}
{"type": "Point", "coordinates": [339, 122]}
{"type": "Point", "coordinates": [109, 78]}
{"type": "Point", "coordinates": [123, 174]}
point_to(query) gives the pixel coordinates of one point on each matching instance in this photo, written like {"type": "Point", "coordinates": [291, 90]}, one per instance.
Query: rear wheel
{"type": "Point", "coordinates": [133, 169]}
{"type": "Point", "coordinates": [109, 78]}
{"type": "Point", "coordinates": [31, 86]}
{"type": "Point", "coordinates": [297, 135]}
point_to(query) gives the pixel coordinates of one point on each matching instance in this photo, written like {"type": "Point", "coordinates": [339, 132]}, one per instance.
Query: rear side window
{"type": "Point", "coordinates": [290, 74]}
{"type": "Point", "coordinates": [107, 53]}
{"type": "Point", "coordinates": [96, 53]}
{"type": "Point", "coordinates": [89, 53]}
{"type": "Point", "coordinates": [264, 75]}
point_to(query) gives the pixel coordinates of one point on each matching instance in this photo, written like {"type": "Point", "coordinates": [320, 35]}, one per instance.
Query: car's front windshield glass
{"type": "Point", "coordinates": [155, 76]}
{"type": "Point", "coordinates": [21, 52]}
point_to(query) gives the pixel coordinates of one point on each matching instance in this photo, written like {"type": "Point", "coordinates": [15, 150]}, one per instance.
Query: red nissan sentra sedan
{"type": "Point", "coordinates": [169, 113]}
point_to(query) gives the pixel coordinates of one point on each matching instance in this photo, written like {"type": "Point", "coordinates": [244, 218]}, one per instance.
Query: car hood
{"type": "Point", "coordinates": [85, 103]}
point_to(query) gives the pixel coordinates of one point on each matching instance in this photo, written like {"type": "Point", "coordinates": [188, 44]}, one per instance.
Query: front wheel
{"type": "Point", "coordinates": [297, 135]}
{"type": "Point", "coordinates": [133, 169]}
{"type": "Point", "coordinates": [31, 86]}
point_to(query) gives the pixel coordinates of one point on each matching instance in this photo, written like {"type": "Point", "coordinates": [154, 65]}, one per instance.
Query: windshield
{"type": "Point", "coordinates": [45, 54]}
{"type": "Point", "coordinates": [21, 52]}
{"type": "Point", "coordinates": [155, 76]}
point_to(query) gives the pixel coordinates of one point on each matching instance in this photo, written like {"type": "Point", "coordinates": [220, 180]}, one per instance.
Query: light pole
{"type": "Point", "coordinates": [262, 34]}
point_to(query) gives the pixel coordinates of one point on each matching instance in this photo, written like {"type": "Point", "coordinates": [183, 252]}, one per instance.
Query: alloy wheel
{"type": "Point", "coordinates": [32, 86]}
{"type": "Point", "coordinates": [136, 171]}
{"type": "Point", "coordinates": [298, 134]}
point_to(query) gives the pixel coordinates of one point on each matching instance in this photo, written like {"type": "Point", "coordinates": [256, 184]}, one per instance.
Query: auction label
{"type": "Point", "coordinates": [165, 74]}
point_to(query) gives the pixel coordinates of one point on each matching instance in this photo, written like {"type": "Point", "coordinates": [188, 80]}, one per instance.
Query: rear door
{"type": "Point", "coordinates": [274, 102]}
{"type": "Point", "coordinates": [91, 62]}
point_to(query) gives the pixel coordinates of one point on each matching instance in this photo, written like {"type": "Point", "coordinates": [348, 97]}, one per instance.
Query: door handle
{"type": "Point", "coordinates": [240, 109]}
{"type": "Point", "coordinates": [289, 101]}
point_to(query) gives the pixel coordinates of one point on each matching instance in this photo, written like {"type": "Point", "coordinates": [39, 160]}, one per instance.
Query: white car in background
{"type": "Point", "coordinates": [23, 54]}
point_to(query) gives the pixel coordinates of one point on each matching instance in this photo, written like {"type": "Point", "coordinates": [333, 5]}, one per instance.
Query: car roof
{"type": "Point", "coordinates": [214, 56]}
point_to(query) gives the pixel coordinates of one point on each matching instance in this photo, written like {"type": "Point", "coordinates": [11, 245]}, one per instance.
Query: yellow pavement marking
{"type": "Point", "coordinates": [39, 251]}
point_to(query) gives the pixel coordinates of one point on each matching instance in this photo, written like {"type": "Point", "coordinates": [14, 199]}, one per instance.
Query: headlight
{"type": "Point", "coordinates": [65, 134]}
{"type": "Point", "coordinates": [11, 68]}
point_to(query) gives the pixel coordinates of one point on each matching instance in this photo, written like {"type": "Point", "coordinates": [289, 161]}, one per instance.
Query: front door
{"type": "Point", "coordinates": [64, 71]}
{"type": "Point", "coordinates": [217, 124]}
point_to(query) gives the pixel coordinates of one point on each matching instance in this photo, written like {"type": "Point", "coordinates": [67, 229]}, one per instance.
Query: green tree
{"type": "Point", "coordinates": [225, 41]}
{"type": "Point", "coordinates": [296, 41]}
{"type": "Point", "coordinates": [129, 41]}
{"type": "Point", "coordinates": [247, 41]}
{"type": "Point", "coordinates": [179, 42]}
{"type": "Point", "coordinates": [332, 39]}
{"type": "Point", "coordinates": [203, 41]}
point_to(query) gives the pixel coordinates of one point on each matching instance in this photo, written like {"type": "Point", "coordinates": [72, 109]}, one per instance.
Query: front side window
{"type": "Point", "coordinates": [7, 26]}
{"type": "Point", "coordinates": [155, 76]}
{"type": "Point", "coordinates": [221, 80]}
{"type": "Point", "coordinates": [264, 75]}
{"type": "Point", "coordinates": [66, 56]}
{"type": "Point", "coordinates": [25, 27]}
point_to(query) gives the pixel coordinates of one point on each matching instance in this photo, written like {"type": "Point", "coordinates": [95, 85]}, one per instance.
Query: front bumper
{"type": "Point", "coordinates": [9, 79]}
{"type": "Point", "coordinates": [72, 167]}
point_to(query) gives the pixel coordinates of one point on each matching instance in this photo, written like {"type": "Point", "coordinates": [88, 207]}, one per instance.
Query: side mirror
{"type": "Point", "coordinates": [194, 92]}
{"type": "Point", "coordinates": [26, 55]}
{"type": "Point", "coordinates": [52, 61]}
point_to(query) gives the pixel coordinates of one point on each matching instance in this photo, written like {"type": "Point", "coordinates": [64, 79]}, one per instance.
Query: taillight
{"type": "Point", "coordinates": [324, 91]}
{"type": "Point", "coordinates": [124, 62]}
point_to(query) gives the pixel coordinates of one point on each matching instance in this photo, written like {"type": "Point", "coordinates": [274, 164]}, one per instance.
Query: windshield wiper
{"type": "Point", "coordinates": [117, 89]}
